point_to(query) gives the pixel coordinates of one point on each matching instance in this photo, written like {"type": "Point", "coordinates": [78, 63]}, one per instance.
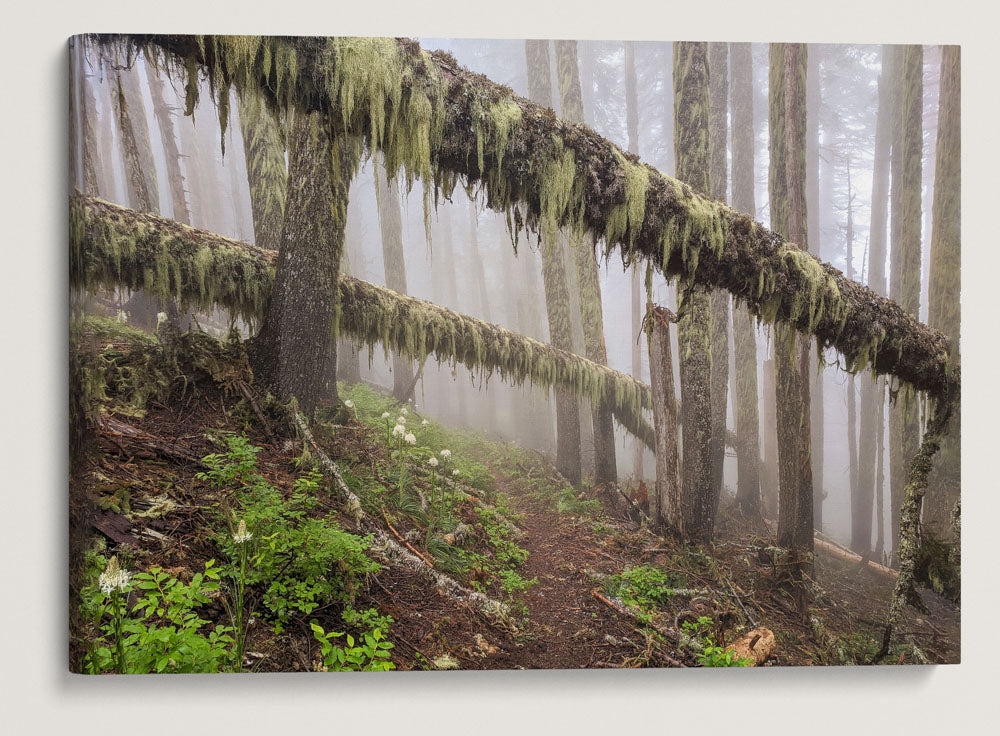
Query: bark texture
{"type": "Point", "coordinates": [817, 409]}
{"type": "Point", "coordinates": [787, 188]}
{"type": "Point", "coordinates": [304, 300]}
{"type": "Point", "coordinates": [264, 149]}
{"type": "Point", "coordinates": [665, 502]}
{"type": "Point", "coordinates": [691, 151]}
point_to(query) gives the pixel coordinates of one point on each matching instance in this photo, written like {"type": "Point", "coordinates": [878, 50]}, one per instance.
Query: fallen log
{"type": "Point", "coordinates": [757, 645]}
{"type": "Point", "coordinates": [835, 550]}
{"type": "Point", "coordinates": [114, 246]}
{"type": "Point", "coordinates": [437, 121]}
{"type": "Point", "coordinates": [126, 434]}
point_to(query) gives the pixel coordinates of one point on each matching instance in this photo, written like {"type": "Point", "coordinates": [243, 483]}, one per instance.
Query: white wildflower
{"type": "Point", "coordinates": [398, 431]}
{"type": "Point", "coordinates": [114, 577]}
{"type": "Point", "coordinates": [386, 415]}
{"type": "Point", "coordinates": [446, 454]}
{"type": "Point", "coordinates": [401, 420]}
{"type": "Point", "coordinates": [122, 317]}
{"type": "Point", "coordinates": [410, 438]}
{"type": "Point", "coordinates": [403, 411]}
{"type": "Point", "coordinates": [433, 462]}
{"type": "Point", "coordinates": [455, 471]}
{"type": "Point", "coordinates": [242, 535]}
{"type": "Point", "coordinates": [161, 317]}
{"type": "Point", "coordinates": [349, 404]}
{"type": "Point", "coordinates": [424, 423]}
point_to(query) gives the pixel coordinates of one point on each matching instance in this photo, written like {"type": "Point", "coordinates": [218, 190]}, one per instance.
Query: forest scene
{"type": "Point", "coordinates": [476, 354]}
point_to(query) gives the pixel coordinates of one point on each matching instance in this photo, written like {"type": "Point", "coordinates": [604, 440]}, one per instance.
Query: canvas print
{"type": "Point", "coordinates": [442, 353]}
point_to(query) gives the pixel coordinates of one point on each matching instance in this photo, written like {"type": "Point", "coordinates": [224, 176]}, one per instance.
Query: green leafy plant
{"type": "Point", "coordinates": [644, 587]}
{"type": "Point", "coordinates": [162, 633]}
{"type": "Point", "coordinates": [711, 654]}
{"type": "Point", "coordinates": [298, 562]}
{"type": "Point", "coordinates": [370, 652]}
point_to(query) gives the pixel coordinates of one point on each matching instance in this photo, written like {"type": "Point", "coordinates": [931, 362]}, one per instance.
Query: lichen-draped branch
{"type": "Point", "coordinates": [115, 246]}
{"type": "Point", "coordinates": [439, 121]}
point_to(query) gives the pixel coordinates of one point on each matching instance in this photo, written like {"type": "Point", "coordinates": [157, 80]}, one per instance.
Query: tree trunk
{"type": "Point", "coordinates": [303, 303]}
{"type": "Point", "coordinates": [131, 126]}
{"type": "Point", "coordinates": [744, 338]}
{"type": "Point", "coordinates": [168, 139]}
{"type": "Point", "coordinates": [391, 227]}
{"type": "Point", "coordinates": [632, 124]}
{"type": "Point", "coordinates": [691, 106]}
{"type": "Point", "coordinates": [817, 409]}
{"type": "Point", "coordinates": [479, 281]}
{"type": "Point", "coordinates": [665, 504]}
{"type": "Point", "coordinates": [944, 304]}
{"type": "Point", "coordinates": [769, 442]}
{"type": "Point", "coordinates": [871, 438]}
{"type": "Point", "coordinates": [556, 288]}
{"type": "Point", "coordinates": [852, 412]}
{"type": "Point", "coordinates": [588, 278]}
{"type": "Point", "coordinates": [787, 185]}
{"type": "Point", "coordinates": [904, 280]}
{"type": "Point", "coordinates": [718, 63]}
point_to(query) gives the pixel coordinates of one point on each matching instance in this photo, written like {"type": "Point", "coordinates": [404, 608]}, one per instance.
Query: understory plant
{"type": "Point", "coordinates": [162, 632]}
{"type": "Point", "coordinates": [296, 561]}
{"type": "Point", "coordinates": [370, 652]}
{"type": "Point", "coordinates": [708, 652]}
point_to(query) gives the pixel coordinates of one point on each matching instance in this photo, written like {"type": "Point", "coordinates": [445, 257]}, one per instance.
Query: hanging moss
{"type": "Point", "coordinates": [354, 81]}
{"type": "Point", "coordinates": [109, 246]}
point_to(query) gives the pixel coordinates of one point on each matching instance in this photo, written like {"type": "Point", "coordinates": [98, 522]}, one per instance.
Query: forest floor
{"type": "Point", "coordinates": [583, 589]}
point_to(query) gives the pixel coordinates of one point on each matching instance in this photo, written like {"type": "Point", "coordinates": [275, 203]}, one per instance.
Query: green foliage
{"type": "Point", "coordinates": [298, 562]}
{"type": "Point", "coordinates": [645, 587]}
{"type": "Point", "coordinates": [370, 652]}
{"type": "Point", "coordinates": [569, 503]}
{"type": "Point", "coordinates": [709, 653]}
{"type": "Point", "coordinates": [164, 633]}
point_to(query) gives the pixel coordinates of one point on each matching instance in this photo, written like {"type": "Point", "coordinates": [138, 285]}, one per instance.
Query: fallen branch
{"type": "Point", "coordinates": [248, 395]}
{"type": "Point", "coordinates": [118, 429]}
{"type": "Point", "coordinates": [408, 545]}
{"type": "Point", "coordinates": [393, 552]}
{"type": "Point", "coordinates": [669, 634]}
{"type": "Point", "coordinates": [839, 552]}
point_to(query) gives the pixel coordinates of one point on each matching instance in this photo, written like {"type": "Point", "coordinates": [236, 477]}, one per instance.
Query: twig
{"type": "Point", "coordinates": [245, 390]}
{"type": "Point", "coordinates": [408, 545]}
{"type": "Point", "coordinates": [668, 634]}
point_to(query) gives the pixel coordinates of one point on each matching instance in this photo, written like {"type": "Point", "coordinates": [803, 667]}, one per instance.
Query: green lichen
{"type": "Point", "coordinates": [626, 218]}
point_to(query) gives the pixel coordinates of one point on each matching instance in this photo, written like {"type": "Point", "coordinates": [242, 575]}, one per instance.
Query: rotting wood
{"type": "Point", "coordinates": [757, 645]}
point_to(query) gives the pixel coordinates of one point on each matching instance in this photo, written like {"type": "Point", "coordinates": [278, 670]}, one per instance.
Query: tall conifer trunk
{"type": "Point", "coordinates": [390, 221]}
{"type": "Point", "coordinates": [744, 339]}
{"type": "Point", "coordinates": [588, 279]}
{"type": "Point", "coordinates": [556, 288]}
{"type": "Point", "coordinates": [691, 110]}
{"type": "Point", "coordinates": [787, 185]}
{"type": "Point", "coordinates": [168, 139]}
{"type": "Point", "coordinates": [718, 62]}
{"type": "Point", "coordinates": [871, 439]}
{"type": "Point", "coordinates": [632, 125]}
{"type": "Point", "coordinates": [817, 409]}
{"type": "Point", "coordinates": [303, 302]}
{"type": "Point", "coordinates": [904, 279]}
{"type": "Point", "coordinates": [944, 306]}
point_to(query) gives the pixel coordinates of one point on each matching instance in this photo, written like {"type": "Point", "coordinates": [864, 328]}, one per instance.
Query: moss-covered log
{"type": "Point", "coordinates": [112, 245]}
{"type": "Point", "coordinates": [441, 121]}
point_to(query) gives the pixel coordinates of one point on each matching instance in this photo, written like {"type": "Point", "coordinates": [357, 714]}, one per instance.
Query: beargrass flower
{"type": "Point", "coordinates": [403, 411]}
{"type": "Point", "coordinates": [410, 438]}
{"type": "Point", "coordinates": [114, 577]}
{"type": "Point", "coordinates": [455, 471]}
{"type": "Point", "coordinates": [424, 423]}
{"type": "Point", "coordinates": [398, 431]}
{"type": "Point", "coordinates": [401, 420]}
{"type": "Point", "coordinates": [349, 404]}
{"type": "Point", "coordinates": [446, 454]}
{"type": "Point", "coordinates": [386, 415]}
{"type": "Point", "coordinates": [242, 535]}
{"type": "Point", "coordinates": [433, 462]}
